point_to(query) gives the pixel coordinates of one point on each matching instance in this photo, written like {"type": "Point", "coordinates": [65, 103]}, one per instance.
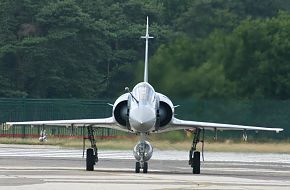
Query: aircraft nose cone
{"type": "Point", "coordinates": [142, 119]}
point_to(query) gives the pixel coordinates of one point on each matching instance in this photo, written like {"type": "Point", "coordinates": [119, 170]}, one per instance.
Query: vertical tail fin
{"type": "Point", "coordinates": [147, 37]}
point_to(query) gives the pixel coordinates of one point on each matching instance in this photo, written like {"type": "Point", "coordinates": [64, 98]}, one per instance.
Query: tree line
{"type": "Point", "coordinates": [92, 48]}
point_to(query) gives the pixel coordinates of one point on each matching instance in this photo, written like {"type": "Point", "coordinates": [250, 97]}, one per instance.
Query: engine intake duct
{"type": "Point", "coordinates": [165, 113]}
{"type": "Point", "coordinates": [121, 112]}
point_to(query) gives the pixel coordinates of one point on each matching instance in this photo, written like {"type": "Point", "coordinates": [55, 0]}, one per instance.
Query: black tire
{"type": "Point", "coordinates": [90, 160]}
{"type": "Point", "coordinates": [137, 167]}
{"type": "Point", "coordinates": [196, 163]}
{"type": "Point", "coordinates": [145, 168]}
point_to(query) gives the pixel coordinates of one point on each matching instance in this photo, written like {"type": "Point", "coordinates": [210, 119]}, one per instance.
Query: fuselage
{"type": "Point", "coordinates": [143, 106]}
{"type": "Point", "coordinates": [143, 110]}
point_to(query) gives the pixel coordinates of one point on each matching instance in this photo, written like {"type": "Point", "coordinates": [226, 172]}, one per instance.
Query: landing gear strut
{"type": "Point", "coordinates": [92, 153]}
{"type": "Point", "coordinates": [194, 156]}
{"type": "Point", "coordinates": [142, 151]}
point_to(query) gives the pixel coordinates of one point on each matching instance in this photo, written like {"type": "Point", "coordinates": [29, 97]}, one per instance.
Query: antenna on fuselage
{"type": "Point", "coordinates": [127, 90]}
{"type": "Point", "coordinates": [147, 37]}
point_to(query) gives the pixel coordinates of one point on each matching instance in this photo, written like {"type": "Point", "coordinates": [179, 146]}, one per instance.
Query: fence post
{"type": "Point", "coordinates": [13, 131]}
{"type": "Point", "coordinates": [23, 131]}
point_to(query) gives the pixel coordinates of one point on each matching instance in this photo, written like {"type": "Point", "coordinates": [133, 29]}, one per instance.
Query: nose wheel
{"type": "Point", "coordinates": [143, 166]}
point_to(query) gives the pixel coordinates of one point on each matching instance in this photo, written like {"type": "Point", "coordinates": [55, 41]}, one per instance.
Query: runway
{"type": "Point", "coordinates": [45, 167]}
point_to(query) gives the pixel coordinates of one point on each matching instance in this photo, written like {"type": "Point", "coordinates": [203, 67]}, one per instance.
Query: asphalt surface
{"type": "Point", "coordinates": [43, 168]}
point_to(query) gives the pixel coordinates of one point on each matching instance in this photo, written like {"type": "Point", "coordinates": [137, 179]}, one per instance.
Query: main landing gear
{"type": "Point", "coordinates": [92, 153]}
{"type": "Point", "coordinates": [194, 156]}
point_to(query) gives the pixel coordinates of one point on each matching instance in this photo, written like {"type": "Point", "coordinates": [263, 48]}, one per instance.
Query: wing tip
{"type": "Point", "coordinates": [279, 130]}
{"type": "Point", "coordinates": [6, 126]}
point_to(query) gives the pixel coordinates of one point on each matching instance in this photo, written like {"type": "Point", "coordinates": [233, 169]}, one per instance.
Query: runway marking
{"type": "Point", "coordinates": [224, 169]}
{"type": "Point", "coordinates": [135, 177]}
{"type": "Point", "coordinates": [256, 170]}
{"type": "Point", "coordinates": [51, 169]}
{"type": "Point", "coordinates": [107, 178]}
{"type": "Point", "coordinates": [232, 158]}
{"type": "Point", "coordinates": [60, 153]}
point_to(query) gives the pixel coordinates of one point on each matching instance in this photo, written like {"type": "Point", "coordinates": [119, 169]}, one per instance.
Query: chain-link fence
{"type": "Point", "coordinates": [53, 109]}
{"type": "Point", "coordinates": [263, 113]}
{"type": "Point", "coordinates": [267, 113]}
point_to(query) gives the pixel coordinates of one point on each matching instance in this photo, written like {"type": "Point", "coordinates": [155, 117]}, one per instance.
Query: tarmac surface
{"type": "Point", "coordinates": [45, 167]}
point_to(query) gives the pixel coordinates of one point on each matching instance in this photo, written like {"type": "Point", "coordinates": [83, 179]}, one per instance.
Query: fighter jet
{"type": "Point", "coordinates": [143, 111]}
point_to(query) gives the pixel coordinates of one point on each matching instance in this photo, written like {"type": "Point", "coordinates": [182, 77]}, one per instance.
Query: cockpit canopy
{"type": "Point", "coordinates": [144, 93]}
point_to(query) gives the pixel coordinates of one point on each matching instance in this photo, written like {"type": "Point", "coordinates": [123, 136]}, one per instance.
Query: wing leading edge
{"type": "Point", "coordinates": [177, 124]}
{"type": "Point", "coordinates": [103, 123]}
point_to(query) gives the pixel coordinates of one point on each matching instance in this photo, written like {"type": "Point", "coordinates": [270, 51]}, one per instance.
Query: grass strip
{"type": "Point", "coordinates": [128, 144]}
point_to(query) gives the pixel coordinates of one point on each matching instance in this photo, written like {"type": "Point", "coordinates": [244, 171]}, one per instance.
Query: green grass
{"type": "Point", "coordinates": [128, 144]}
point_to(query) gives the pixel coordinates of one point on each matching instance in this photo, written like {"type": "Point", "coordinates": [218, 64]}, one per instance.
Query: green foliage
{"type": "Point", "coordinates": [257, 57]}
{"type": "Point", "coordinates": [251, 61]}
{"type": "Point", "coordinates": [90, 49]}
{"type": "Point", "coordinates": [204, 16]}
{"type": "Point", "coordinates": [194, 67]}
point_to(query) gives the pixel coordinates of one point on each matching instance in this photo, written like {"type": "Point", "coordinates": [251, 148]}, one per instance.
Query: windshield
{"type": "Point", "coordinates": [144, 93]}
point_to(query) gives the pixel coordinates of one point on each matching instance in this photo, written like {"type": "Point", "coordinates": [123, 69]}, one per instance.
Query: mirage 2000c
{"type": "Point", "coordinates": [143, 111]}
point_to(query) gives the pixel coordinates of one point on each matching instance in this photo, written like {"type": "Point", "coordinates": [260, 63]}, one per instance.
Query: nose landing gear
{"type": "Point", "coordinates": [142, 151]}
{"type": "Point", "coordinates": [140, 165]}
